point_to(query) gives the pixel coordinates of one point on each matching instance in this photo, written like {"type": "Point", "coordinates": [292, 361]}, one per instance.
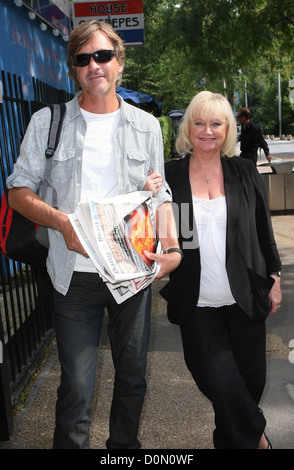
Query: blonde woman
{"type": "Point", "coordinates": [229, 279]}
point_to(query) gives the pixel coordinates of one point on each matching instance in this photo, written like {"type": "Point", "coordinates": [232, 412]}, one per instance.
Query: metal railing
{"type": "Point", "coordinates": [25, 292]}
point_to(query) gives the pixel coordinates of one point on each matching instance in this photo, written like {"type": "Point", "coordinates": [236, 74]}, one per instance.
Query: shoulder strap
{"type": "Point", "coordinates": [57, 116]}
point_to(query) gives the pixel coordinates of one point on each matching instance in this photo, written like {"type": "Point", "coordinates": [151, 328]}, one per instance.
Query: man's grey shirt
{"type": "Point", "coordinates": [138, 148]}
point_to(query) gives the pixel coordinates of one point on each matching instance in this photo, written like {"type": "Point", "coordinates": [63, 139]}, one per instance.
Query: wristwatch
{"type": "Point", "coordinates": [277, 273]}
{"type": "Point", "coordinates": [172, 250]}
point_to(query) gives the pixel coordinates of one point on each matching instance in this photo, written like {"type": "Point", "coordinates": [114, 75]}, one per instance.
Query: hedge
{"type": "Point", "coordinates": [166, 129]}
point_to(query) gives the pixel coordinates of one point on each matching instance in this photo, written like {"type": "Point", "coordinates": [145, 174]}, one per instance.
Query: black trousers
{"type": "Point", "coordinates": [225, 352]}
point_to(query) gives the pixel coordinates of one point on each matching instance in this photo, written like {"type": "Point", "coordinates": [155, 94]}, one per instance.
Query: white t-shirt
{"type": "Point", "coordinates": [99, 175]}
{"type": "Point", "coordinates": [211, 221]}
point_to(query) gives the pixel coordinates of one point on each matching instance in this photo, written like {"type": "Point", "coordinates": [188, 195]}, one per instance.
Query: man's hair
{"type": "Point", "coordinates": [82, 34]}
{"type": "Point", "coordinates": [244, 112]}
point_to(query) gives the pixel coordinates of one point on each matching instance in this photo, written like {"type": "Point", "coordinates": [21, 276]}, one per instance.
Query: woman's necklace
{"type": "Point", "coordinates": [205, 178]}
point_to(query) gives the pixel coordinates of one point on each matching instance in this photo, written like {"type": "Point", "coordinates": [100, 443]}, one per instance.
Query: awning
{"type": "Point", "coordinates": [136, 96]}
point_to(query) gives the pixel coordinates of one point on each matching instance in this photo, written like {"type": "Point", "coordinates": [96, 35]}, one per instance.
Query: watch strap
{"type": "Point", "coordinates": [172, 250]}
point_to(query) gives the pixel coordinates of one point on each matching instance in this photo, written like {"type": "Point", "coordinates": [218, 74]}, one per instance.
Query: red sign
{"type": "Point", "coordinates": [101, 8]}
{"type": "Point", "coordinates": [126, 17]}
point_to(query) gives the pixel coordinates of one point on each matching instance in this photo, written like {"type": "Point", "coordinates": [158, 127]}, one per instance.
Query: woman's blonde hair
{"type": "Point", "coordinates": [82, 34]}
{"type": "Point", "coordinates": [206, 104]}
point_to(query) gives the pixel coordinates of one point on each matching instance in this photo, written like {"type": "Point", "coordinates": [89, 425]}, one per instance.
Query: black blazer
{"type": "Point", "coordinates": [251, 252]}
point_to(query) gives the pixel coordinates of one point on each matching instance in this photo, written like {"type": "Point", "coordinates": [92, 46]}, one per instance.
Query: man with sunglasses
{"type": "Point", "coordinates": [107, 147]}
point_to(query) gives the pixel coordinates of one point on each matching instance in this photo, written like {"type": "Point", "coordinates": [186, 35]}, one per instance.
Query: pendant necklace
{"type": "Point", "coordinates": [205, 178]}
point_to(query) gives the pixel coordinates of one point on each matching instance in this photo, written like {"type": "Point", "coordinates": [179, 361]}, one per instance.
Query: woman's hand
{"type": "Point", "coordinates": [275, 295]}
{"type": "Point", "coordinates": [168, 262]}
{"type": "Point", "coordinates": [153, 182]}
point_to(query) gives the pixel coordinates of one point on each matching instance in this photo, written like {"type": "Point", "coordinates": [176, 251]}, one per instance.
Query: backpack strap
{"type": "Point", "coordinates": [57, 116]}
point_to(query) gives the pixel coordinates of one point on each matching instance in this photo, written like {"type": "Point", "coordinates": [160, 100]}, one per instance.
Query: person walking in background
{"type": "Point", "coordinates": [107, 147]}
{"type": "Point", "coordinates": [251, 137]}
{"type": "Point", "coordinates": [229, 279]}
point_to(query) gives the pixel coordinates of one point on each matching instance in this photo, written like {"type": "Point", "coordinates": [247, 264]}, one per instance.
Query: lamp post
{"type": "Point", "coordinates": [279, 105]}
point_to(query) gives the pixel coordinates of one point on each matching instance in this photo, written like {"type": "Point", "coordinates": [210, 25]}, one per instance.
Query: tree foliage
{"type": "Point", "coordinates": [212, 44]}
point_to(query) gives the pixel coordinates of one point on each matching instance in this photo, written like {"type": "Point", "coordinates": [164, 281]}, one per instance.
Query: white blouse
{"type": "Point", "coordinates": [211, 220]}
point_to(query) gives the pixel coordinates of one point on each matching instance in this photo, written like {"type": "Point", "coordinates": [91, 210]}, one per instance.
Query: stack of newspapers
{"type": "Point", "coordinates": [115, 232]}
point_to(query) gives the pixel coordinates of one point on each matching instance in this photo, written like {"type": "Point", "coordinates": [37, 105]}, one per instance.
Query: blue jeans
{"type": "Point", "coordinates": [78, 319]}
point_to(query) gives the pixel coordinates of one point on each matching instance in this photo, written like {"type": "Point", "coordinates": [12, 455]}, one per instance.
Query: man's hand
{"type": "Point", "coordinates": [29, 204]}
{"type": "Point", "coordinates": [168, 262]}
{"type": "Point", "coordinates": [71, 239]}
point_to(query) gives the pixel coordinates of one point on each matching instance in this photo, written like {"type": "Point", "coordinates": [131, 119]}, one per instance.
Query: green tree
{"type": "Point", "coordinates": [226, 36]}
{"type": "Point", "coordinates": [263, 95]}
{"type": "Point", "coordinates": [195, 44]}
{"type": "Point", "coordinates": [162, 67]}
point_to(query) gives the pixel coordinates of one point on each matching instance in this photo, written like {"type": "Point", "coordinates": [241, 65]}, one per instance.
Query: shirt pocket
{"type": "Point", "coordinates": [137, 164]}
{"type": "Point", "coordinates": [62, 165]}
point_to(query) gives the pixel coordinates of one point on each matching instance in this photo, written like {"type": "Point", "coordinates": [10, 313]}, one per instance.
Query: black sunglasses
{"type": "Point", "coordinates": [100, 57]}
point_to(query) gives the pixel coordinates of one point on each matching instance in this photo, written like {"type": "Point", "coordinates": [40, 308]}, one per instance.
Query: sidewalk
{"type": "Point", "coordinates": [168, 421]}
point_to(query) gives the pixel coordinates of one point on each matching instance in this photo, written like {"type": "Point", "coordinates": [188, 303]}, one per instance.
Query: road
{"type": "Point", "coordinates": [283, 149]}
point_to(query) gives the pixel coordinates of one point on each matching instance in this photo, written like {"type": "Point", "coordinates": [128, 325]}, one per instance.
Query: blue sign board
{"type": "Point", "coordinates": [27, 51]}
{"type": "Point", "coordinates": [56, 12]}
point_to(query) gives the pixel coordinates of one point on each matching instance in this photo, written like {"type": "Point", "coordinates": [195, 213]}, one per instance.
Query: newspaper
{"type": "Point", "coordinates": [115, 232]}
